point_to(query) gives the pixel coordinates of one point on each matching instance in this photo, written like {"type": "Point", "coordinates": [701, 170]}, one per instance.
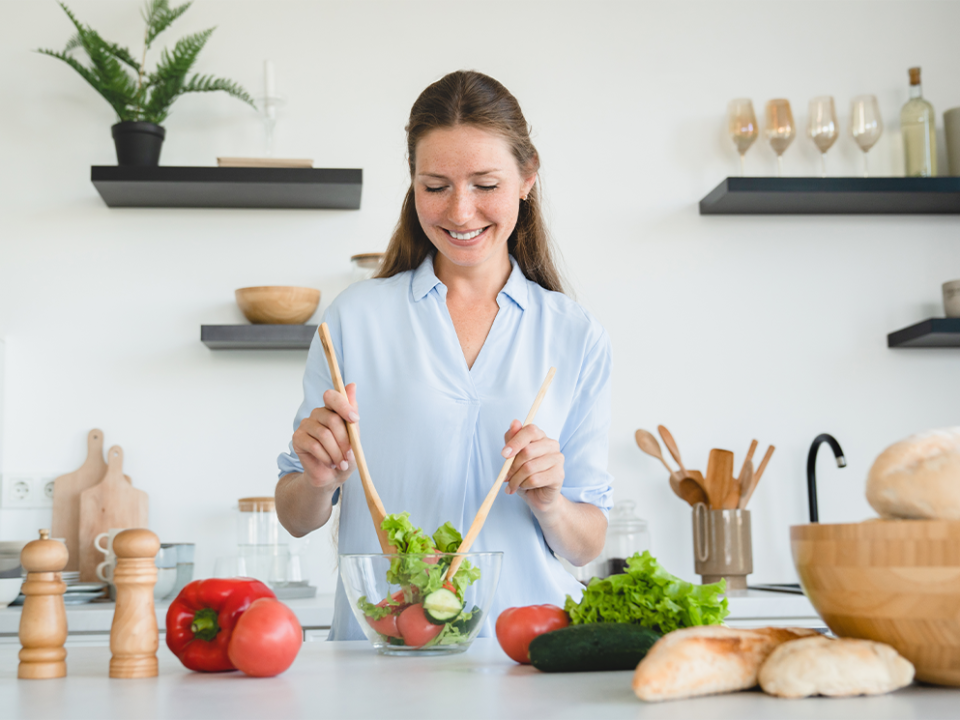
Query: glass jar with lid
{"type": "Point", "coordinates": [262, 542]}
{"type": "Point", "coordinates": [626, 534]}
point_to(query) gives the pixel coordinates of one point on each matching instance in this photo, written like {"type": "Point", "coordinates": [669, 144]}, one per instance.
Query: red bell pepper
{"type": "Point", "coordinates": [200, 621]}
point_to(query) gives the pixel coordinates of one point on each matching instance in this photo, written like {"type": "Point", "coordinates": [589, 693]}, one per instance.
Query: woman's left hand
{"type": "Point", "coordinates": [538, 468]}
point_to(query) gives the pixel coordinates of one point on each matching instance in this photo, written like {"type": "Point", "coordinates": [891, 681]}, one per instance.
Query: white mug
{"type": "Point", "coordinates": [105, 569]}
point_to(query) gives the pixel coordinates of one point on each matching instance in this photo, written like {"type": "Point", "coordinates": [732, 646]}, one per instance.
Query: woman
{"type": "Point", "coordinates": [445, 348]}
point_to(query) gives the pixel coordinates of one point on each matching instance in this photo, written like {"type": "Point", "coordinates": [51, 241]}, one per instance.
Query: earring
{"type": "Point", "coordinates": [523, 198]}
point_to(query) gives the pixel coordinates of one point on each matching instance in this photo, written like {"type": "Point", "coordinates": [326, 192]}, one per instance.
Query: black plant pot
{"type": "Point", "coordinates": [138, 143]}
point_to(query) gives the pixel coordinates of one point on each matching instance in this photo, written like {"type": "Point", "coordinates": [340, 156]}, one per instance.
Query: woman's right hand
{"type": "Point", "coordinates": [321, 442]}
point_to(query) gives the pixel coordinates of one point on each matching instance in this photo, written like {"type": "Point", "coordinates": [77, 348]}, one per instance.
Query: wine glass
{"type": "Point", "coordinates": [743, 126]}
{"type": "Point", "coordinates": [866, 126]}
{"type": "Point", "coordinates": [823, 128]}
{"type": "Point", "coordinates": [780, 129]}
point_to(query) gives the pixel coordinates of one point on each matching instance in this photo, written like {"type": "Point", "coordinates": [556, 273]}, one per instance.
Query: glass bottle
{"type": "Point", "coordinates": [918, 125]}
{"type": "Point", "coordinates": [626, 534]}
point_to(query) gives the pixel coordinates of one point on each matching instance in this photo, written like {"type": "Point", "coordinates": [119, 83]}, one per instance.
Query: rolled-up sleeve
{"type": "Point", "coordinates": [584, 440]}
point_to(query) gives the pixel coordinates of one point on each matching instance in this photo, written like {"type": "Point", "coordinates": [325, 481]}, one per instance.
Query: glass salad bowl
{"type": "Point", "coordinates": [405, 605]}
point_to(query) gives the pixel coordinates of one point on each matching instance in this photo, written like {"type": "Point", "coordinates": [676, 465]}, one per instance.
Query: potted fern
{"type": "Point", "coordinates": [142, 99]}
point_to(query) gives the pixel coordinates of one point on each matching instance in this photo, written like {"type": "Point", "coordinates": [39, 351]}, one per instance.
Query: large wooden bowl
{"type": "Point", "coordinates": [893, 581]}
{"type": "Point", "coordinates": [276, 304]}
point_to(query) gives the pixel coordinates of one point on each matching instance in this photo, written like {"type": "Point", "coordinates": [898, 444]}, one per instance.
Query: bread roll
{"type": "Point", "coordinates": [838, 668]}
{"type": "Point", "coordinates": [707, 660]}
{"type": "Point", "coordinates": [918, 477]}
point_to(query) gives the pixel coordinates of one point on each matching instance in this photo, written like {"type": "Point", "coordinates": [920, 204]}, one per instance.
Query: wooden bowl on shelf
{"type": "Point", "coordinates": [278, 304]}
{"type": "Point", "coordinates": [893, 581]}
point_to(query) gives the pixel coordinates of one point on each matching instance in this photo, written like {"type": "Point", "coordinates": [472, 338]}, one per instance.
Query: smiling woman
{"type": "Point", "coordinates": [444, 348]}
{"type": "Point", "coordinates": [470, 106]}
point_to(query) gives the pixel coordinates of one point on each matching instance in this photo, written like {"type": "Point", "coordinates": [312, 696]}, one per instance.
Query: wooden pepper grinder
{"type": "Point", "coordinates": [134, 636]}
{"type": "Point", "coordinates": [43, 622]}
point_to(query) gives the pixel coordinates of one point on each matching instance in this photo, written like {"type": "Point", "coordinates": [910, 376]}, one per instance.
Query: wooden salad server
{"type": "Point", "coordinates": [353, 432]}
{"type": "Point", "coordinates": [487, 503]}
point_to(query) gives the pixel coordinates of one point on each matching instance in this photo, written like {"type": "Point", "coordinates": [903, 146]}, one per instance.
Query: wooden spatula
{"type": "Point", "coordinates": [487, 503]}
{"type": "Point", "coordinates": [112, 503]}
{"type": "Point", "coordinates": [377, 513]}
{"type": "Point", "coordinates": [719, 477]}
{"type": "Point", "coordinates": [748, 491]}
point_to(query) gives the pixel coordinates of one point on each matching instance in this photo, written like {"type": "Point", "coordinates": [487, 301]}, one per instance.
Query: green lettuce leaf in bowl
{"type": "Point", "coordinates": [648, 595]}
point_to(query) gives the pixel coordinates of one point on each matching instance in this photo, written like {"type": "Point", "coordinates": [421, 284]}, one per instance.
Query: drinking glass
{"type": "Point", "coordinates": [780, 129]}
{"type": "Point", "coordinates": [865, 124]}
{"type": "Point", "coordinates": [743, 126]}
{"type": "Point", "coordinates": [823, 128]}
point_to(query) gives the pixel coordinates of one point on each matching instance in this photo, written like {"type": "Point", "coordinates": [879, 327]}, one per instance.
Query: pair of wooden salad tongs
{"type": "Point", "coordinates": [484, 510]}
{"type": "Point", "coordinates": [353, 432]}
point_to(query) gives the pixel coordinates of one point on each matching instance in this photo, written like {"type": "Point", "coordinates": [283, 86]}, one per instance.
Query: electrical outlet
{"type": "Point", "coordinates": [26, 490]}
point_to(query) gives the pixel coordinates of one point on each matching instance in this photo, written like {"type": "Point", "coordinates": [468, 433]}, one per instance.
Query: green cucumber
{"type": "Point", "coordinates": [441, 606]}
{"type": "Point", "coordinates": [595, 646]}
{"type": "Point", "coordinates": [466, 626]}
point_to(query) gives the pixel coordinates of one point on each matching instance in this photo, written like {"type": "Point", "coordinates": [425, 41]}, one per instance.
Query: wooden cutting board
{"type": "Point", "coordinates": [113, 503]}
{"type": "Point", "coordinates": [66, 496]}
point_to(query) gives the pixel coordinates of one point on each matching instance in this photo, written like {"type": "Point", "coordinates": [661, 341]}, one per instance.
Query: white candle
{"type": "Point", "coordinates": [269, 80]}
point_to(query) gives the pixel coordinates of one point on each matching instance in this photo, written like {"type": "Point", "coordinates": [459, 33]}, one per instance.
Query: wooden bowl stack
{"type": "Point", "coordinates": [277, 304]}
{"type": "Point", "coordinates": [893, 581]}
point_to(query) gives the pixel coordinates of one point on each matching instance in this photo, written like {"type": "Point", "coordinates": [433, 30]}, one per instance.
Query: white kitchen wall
{"type": "Point", "coordinates": [723, 328]}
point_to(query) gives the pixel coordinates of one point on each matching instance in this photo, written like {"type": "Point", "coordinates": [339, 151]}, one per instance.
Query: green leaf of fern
{"type": "Point", "coordinates": [159, 16]}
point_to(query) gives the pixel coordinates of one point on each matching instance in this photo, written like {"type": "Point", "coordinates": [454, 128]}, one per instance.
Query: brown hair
{"type": "Point", "coordinates": [466, 97]}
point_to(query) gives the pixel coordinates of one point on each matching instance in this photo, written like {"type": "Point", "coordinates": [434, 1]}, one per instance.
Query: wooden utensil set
{"type": "Point", "coordinates": [719, 489]}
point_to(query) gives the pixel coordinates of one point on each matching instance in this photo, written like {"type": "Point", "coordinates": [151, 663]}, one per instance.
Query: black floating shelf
{"type": "Point", "coordinates": [257, 337]}
{"type": "Point", "coordinates": [228, 187]}
{"type": "Point", "coordinates": [833, 196]}
{"type": "Point", "coordinates": [932, 333]}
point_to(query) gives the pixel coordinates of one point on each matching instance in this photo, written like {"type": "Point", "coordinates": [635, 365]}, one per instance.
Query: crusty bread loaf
{"type": "Point", "coordinates": [918, 477]}
{"type": "Point", "coordinates": [707, 660]}
{"type": "Point", "coordinates": [838, 668]}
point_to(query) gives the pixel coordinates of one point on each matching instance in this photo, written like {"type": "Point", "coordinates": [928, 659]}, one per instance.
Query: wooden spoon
{"type": "Point", "coordinates": [688, 487]}
{"type": "Point", "coordinates": [671, 446]}
{"type": "Point", "coordinates": [353, 433]}
{"type": "Point", "coordinates": [487, 503]}
{"type": "Point", "coordinates": [648, 443]}
{"type": "Point", "coordinates": [719, 477]}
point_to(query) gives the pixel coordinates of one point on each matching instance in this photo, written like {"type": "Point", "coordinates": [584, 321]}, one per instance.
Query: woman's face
{"type": "Point", "coordinates": [467, 187]}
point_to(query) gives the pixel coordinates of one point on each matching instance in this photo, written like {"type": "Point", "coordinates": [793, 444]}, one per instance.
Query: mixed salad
{"type": "Point", "coordinates": [427, 610]}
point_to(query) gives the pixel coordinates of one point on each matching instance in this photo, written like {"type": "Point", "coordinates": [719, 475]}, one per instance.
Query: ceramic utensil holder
{"type": "Point", "coordinates": [722, 545]}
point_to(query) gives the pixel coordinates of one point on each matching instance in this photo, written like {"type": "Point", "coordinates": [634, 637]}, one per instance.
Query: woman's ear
{"type": "Point", "coordinates": [527, 186]}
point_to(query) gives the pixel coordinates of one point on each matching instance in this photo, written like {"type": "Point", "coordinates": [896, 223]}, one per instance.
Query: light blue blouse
{"type": "Point", "coordinates": [433, 429]}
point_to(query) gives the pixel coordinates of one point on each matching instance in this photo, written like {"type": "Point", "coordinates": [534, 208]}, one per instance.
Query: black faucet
{"type": "Point", "coordinates": [812, 469]}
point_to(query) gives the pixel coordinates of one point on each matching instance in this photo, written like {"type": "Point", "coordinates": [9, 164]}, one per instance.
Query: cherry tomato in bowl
{"type": "Point", "coordinates": [517, 626]}
{"type": "Point", "coordinates": [266, 639]}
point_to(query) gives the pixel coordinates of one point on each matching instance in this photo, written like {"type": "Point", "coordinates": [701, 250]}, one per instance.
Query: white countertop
{"type": "Point", "coordinates": [748, 608]}
{"type": "Point", "coordinates": [350, 680]}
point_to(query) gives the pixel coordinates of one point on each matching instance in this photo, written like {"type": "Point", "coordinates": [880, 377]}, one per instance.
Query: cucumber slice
{"type": "Point", "coordinates": [441, 606]}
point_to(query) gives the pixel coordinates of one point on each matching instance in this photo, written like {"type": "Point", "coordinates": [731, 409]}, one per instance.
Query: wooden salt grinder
{"type": "Point", "coordinates": [134, 636]}
{"type": "Point", "coordinates": [43, 622]}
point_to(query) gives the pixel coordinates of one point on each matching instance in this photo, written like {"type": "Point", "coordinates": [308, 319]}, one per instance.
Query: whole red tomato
{"type": "Point", "coordinates": [266, 639]}
{"type": "Point", "coordinates": [517, 626]}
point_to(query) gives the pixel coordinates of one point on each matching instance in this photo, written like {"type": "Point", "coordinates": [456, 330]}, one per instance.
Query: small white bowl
{"type": "Point", "coordinates": [9, 590]}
